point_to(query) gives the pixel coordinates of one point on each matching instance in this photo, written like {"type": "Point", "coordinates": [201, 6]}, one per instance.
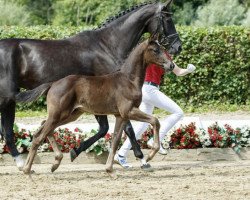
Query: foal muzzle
{"type": "Point", "coordinates": [168, 67]}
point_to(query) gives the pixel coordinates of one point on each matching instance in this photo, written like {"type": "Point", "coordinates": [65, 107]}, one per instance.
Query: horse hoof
{"type": "Point", "coordinates": [73, 155]}
{"type": "Point", "coordinates": [19, 162]}
{"type": "Point", "coordinates": [147, 167]}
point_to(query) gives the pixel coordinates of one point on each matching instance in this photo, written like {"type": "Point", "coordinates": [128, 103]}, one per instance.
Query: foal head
{"type": "Point", "coordinates": [155, 54]}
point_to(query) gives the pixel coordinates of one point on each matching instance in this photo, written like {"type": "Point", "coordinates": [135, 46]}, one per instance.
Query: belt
{"type": "Point", "coordinates": [151, 83]}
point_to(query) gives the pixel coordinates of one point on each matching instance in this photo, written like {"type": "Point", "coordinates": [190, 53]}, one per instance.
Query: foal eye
{"type": "Point", "coordinates": [156, 50]}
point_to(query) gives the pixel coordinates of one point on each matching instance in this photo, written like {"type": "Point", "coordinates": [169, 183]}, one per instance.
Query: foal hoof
{"type": "Point", "coordinates": [147, 167]}
{"type": "Point", "coordinates": [112, 174]}
{"type": "Point", "coordinates": [54, 168]}
{"type": "Point", "coordinates": [73, 155]}
{"type": "Point", "coordinates": [27, 171]}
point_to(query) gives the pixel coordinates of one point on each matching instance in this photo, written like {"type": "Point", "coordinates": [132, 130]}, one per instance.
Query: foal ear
{"type": "Point", "coordinates": [154, 37]}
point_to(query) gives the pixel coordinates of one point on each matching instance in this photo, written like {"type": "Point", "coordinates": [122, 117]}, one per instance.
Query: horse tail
{"type": "Point", "coordinates": [32, 95]}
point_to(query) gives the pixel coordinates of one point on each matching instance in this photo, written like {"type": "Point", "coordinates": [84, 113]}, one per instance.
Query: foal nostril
{"type": "Point", "coordinates": [171, 66]}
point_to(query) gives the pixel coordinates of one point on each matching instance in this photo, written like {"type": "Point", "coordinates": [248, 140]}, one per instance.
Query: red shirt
{"type": "Point", "coordinates": [155, 72]}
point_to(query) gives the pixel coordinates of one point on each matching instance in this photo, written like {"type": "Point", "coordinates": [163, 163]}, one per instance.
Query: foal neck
{"type": "Point", "coordinates": [135, 66]}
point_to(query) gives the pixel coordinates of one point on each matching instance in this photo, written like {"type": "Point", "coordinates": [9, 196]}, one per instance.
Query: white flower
{"type": "Point", "coordinates": [204, 137]}
{"type": "Point", "coordinates": [2, 147]}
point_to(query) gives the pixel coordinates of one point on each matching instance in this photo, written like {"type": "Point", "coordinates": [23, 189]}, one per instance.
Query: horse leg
{"type": "Point", "coordinates": [1, 133]}
{"type": "Point", "coordinates": [7, 122]}
{"type": "Point", "coordinates": [46, 129]}
{"type": "Point", "coordinates": [119, 126]}
{"type": "Point", "coordinates": [103, 129]}
{"type": "Point", "coordinates": [131, 135]}
{"type": "Point", "coordinates": [57, 151]}
{"type": "Point", "coordinates": [138, 115]}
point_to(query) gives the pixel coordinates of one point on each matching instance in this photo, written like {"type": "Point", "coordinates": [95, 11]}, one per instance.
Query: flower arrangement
{"type": "Point", "coordinates": [65, 139]}
{"type": "Point", "coordinates": [225, 136]}
{"type": "Point", "coordinates": [145, 137]}
{"type": "Point", "coordinates": [245, 136]}
{"type": "Point", "coordinates": [23, 139]}
{"type": "Point", "coordinates": [183, 137]}
{"type": "Point", "coordinates": [100, 146]}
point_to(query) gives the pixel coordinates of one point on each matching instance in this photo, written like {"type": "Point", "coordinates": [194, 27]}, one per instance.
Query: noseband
{"type": "Point", "coordinates": [168, 41]}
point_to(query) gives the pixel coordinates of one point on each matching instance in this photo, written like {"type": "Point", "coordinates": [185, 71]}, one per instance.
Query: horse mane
{"type": "Point", "coordinates": [122, 13]}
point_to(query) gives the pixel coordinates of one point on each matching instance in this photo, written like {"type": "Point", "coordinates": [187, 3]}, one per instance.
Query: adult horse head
{"type": "Point", "coordinates": [169, 37]}
{"type": "Point", "coordinates": [125, 29]}
{"type": "Point", "coordinates": [27, 63]}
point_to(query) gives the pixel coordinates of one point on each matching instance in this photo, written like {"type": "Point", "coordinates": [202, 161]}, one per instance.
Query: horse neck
{"type": "Point", "coordinates": [135, 66]}
{"type": "Point", "coordinates": [120, 36]}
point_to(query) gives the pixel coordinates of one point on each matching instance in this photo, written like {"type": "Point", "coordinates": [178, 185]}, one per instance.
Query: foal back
{"type": "Point", "coordinates": [115, 93]}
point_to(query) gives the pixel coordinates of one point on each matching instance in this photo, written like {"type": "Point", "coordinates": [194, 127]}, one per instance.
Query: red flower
{"type": "Point", "coordinates": [178, 131]}
{"type": "Point", "coordinates": [76, 130]}
{"type": "Point", "coordinates": [220, 137]}
{"type": "Point", "coordinates": [107, 136]}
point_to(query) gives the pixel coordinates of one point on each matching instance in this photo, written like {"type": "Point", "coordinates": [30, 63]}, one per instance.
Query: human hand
{"type": "Point", "coordinates": [191, 68]}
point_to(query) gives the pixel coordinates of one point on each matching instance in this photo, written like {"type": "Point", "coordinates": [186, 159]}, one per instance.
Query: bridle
{"type": "Point", "coordinates": [166, 41]}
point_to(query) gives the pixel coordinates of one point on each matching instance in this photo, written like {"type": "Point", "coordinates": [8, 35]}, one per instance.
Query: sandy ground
{"type": "Point", "coordinates": [194, 180]}
{"type": "Point", "coordinates": [242, 115]}
{"type": "Point", "coordinates": [172, 180]}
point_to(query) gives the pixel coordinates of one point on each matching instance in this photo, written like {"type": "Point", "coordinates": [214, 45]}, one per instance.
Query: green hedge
{"type": "Point", "coordinates": [221, 55]}
{"type": "Point", "coordinates": [222, 58]}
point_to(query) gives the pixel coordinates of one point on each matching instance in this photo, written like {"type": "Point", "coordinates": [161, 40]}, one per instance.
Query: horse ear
{"type": "Point", "coordinates": [166, 4]}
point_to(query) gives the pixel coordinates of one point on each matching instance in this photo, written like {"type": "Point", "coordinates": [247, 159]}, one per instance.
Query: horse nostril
{"type": "Point", "coordinates": [179, 49]}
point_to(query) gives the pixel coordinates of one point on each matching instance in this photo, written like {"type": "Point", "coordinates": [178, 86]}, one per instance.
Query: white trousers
{"type": "Point", "coordinates": [153, 97]}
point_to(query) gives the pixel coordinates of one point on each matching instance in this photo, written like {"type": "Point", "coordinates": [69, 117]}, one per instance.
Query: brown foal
{"type": "Point", "coordinates": [118, 93]}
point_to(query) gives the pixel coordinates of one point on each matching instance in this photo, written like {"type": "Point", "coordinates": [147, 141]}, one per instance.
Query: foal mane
{"type": "Point", "coordinates": [122, 13]}
{"type": "Point", "coordinates": [138, 50]}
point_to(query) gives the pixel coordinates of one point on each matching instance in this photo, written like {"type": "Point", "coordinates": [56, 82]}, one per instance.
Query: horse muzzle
{"type": "Point", "coordinates": [175, 48]}
{"type": "Point", "coordinates": [172, 43]}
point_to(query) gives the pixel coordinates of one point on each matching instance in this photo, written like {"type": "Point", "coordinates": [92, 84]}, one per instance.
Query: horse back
{"type": "Point", "coordinates": [34, 62]}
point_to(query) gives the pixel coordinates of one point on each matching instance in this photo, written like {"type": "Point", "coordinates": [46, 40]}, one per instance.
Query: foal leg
{"type": "Point", "coordinates": [119, 126]}
{"type": "Point", "coordinates": [7, 123]}
{"type": "Point", "coordinates": [103, 129]}
{"type": "Point", "coordinates": [138, 115]}
{"type": "Point", "coordinates": [46, 129]}
{"type": "Point", "coordinates": [57, 151]}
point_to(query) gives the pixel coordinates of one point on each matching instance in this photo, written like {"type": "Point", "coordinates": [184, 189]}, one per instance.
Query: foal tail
{"type": "Point", "coordinates": [32, 95]}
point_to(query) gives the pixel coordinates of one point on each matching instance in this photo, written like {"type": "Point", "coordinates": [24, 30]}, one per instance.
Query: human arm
{"type": "Point", "coordinates": [182, 72]}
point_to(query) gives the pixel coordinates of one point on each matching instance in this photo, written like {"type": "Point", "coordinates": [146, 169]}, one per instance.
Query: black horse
{"type": "Point", "coordinates": [28, 63]}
